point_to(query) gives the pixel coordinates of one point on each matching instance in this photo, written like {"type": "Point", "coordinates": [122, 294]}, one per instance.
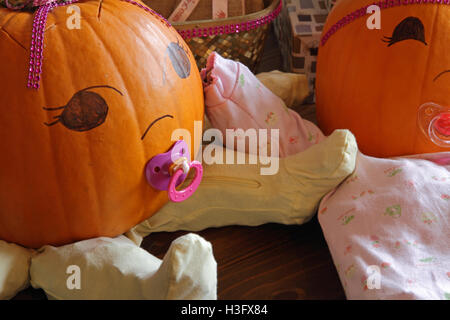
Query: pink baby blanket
{"type": "Point", "coordinates": [388, 228]}
{"type": "Point", "coordinates": [236, 99]}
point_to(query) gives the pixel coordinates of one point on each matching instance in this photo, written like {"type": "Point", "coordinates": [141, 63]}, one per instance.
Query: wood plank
{"type": "Point", "coordinates": [266, 262]}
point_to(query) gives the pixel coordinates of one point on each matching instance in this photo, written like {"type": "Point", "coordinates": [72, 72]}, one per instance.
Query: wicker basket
{"type": "Point", "coordinates": [240, 38]}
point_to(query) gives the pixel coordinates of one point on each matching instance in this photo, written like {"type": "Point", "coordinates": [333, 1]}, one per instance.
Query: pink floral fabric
{"type": "Point", "coordinates": [393, 214]}
{"type": "Point", "coordinates": [236, 99]}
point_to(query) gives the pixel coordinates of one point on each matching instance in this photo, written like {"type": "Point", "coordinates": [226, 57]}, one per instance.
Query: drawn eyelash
{"type": "Point", "coordinates": [409, 28]}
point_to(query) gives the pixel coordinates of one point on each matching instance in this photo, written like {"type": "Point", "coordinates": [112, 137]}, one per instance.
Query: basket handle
{"type": "Point", "coordinates": [219, 9]}
{"type": "Point", "coordinates": [200, 28]}
{"type": "Point", "coordinates": [185, 8]}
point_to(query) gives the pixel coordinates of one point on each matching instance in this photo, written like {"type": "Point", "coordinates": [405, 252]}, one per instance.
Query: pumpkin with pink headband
{"type": "Point", "coordinates": [89, 114]}
{"type": "Point", "coordinates": [87, 118]}
{"type": "Point", "coordinates": [389, 86]}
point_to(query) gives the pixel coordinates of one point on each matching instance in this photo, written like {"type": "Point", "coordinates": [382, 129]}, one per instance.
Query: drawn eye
{"type": "Point", "coordinates": [180, 59]}
{"type": "Point", "coordinates": [409, 28]}
{"type": "Point", "coordinates": [86, 110]}
{"type": "Point", "coordinates": [153, 122]}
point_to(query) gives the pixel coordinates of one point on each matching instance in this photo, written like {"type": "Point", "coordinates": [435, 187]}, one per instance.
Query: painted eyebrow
{"type": "Point", "coordinates": [104, 86]}
{"type": "Point", "coordinates": [153, 122]}
{"type": "Point", "coordinates": [409, 28]}
{"type": "Point", "coordinates": [440, 74]}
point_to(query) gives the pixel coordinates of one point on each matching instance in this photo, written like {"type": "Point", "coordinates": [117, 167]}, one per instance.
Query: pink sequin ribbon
{"type": "Point", "coordinates": [37, 38]}
{"type": "Point", "coordinates": [46, 6]}
{"type": "Point", "coordinates": [232, 27]}
{"type": "Point", "coordinates": [38, 3]}
{"type": "Point", "coordinates": [384, 4]}
{"type": "Point", "coordinates": [37, 35]}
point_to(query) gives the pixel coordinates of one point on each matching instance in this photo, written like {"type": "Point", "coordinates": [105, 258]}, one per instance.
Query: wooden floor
{"type": "Point", "coordinates": [266, 262]}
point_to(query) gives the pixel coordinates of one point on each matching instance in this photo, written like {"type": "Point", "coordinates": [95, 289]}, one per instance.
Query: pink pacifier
{"type": "Point", "coordinates": [434, 120]}
{"type": "Point", "coordinates": [166, 171]}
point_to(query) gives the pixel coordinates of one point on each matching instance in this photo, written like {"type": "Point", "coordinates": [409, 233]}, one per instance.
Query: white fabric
{"type": "Point", "coordinates": [388, 228]}
{"type": "Point", "coordinates": [292, 88]}
{"type": "Point", "coordinates": [239, 195]}
{"type": "Point", "coordinates": [14, 266]}
{"type": "Point", "coordinates": [116, 268]}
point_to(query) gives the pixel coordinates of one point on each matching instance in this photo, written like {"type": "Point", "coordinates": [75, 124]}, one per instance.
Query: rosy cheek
{"type": "Point", "coordinates": [179, 59]}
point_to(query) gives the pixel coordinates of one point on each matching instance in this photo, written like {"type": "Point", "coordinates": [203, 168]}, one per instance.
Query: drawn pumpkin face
{"type": "Point", "coordinates": [73, 152]}
{"type": "Point", "coordinates": [374, 82]}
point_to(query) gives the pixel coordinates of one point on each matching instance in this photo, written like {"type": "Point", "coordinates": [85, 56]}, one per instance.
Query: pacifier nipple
{"type": "Point", "coordinates": [180, 163]}
{"type": "Point", "coordinates": [166, 171]}
{"type": "Point", "coordinates": [434, 121]}
{"type": "Point", "coordinates": [442, 124]}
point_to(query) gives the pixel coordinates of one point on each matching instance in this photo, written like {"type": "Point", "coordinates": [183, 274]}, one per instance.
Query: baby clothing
{"type": "Point", "coordinates": [388, 228]}
{"type": "Point", "coordinates": [118, 269]}
{"type": "Point", "coordinates": [236, 99]}
{"type": "Point", "coordinates": [232, 194]}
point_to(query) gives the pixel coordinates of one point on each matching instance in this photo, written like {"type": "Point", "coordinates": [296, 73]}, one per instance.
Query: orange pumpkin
{"type": "Point", "coordinates": [373, 81]}
{"type": "Point", "coordinates": [72, 154]}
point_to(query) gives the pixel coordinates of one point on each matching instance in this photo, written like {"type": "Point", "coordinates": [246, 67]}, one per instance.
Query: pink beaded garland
{"type": "Point", "coordinates": [46, 6]}
{"type": "Point", "coordinates": [232, 28]}
{"type": "Point", "coordinates": [37, 35]}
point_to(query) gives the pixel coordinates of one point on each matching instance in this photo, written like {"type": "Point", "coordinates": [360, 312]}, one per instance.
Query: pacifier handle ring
{"type": "Point", "coordinates": [178, 196]}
